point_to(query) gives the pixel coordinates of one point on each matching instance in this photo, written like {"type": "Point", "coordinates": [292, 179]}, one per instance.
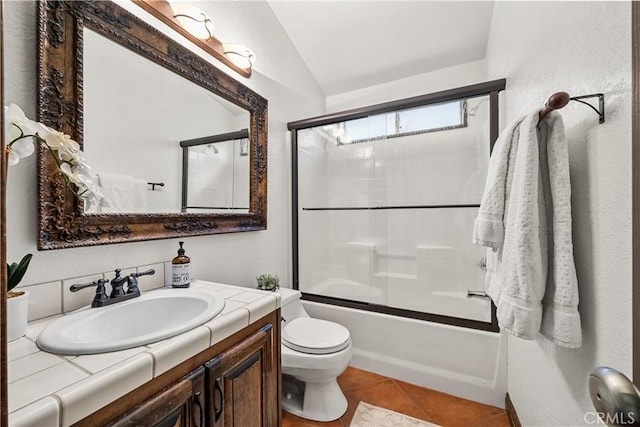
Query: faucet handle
{"type": "Point", "coordinates": [149, 272]}
{"type": "Point", "coordinates": [101, 293]}
{"type": "Point", "coordinates": [99, 283]}
{"type": "Point", "coordinates": [132, 280]}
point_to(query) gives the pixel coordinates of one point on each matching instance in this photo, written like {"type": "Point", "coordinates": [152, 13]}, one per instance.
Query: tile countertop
{"type": "Point", "coordinates": [50, 390]}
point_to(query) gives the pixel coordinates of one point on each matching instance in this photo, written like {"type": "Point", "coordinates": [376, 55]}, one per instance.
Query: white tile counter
{"type": "Point", "coordinates": [50, 390]}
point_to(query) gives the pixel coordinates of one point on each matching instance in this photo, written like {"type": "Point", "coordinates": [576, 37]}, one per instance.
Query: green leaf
{"type": "Point", "coordinates": [15, 271]}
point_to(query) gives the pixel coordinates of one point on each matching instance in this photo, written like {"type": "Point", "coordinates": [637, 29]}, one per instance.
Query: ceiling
{"type": "Point", "coordinates": [348, 45]}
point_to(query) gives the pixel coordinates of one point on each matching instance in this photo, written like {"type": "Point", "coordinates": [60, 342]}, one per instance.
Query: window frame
{"type": "Point", "coordinates": [463, 124]}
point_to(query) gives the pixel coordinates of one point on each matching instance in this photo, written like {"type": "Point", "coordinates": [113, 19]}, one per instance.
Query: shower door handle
{"type": "Point", "coordinates": [615, 398]}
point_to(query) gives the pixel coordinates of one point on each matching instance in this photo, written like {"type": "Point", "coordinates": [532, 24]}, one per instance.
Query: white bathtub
{"type": "Point", "coordinates": [459, 361]}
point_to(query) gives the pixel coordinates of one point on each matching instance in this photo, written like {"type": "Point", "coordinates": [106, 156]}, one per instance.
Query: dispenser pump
{"type": "Point", "coordinates": [181, 269]}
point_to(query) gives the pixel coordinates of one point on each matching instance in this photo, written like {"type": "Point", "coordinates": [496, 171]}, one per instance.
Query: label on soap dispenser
{"type": "Point", "coordinates": [181, 275]}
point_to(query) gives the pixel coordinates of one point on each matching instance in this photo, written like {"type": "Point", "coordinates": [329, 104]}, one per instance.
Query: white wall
{"type": "Point", "coordinates": [581, 48]}
{"type": "Point", "coordinates": [279, 75]}
{"type": "Point", "coordinates": [434, 81]}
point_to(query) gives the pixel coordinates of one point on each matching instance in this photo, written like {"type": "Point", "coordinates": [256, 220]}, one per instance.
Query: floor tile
{"type": "Point", "coordinates": [354, 377]}
{"type": "Point", "coordinates": [289, 420]}
{"type": "Point", "coordinates": [447, 410]}
{"type": "Point", "coordinates": [501, 420]}
{"type": "Point", "coordinates": [418, 402]}
{"type": "Point", "coordinates": [386, 394]}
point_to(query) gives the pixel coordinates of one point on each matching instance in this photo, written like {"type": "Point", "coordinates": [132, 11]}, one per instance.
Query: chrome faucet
{"type": "Point", "coordinates": [118, 292]}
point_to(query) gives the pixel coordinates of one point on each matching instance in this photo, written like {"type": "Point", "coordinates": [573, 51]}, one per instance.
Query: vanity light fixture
{"type": "Point", "coordinates": [197, 27]}
{"type": "Point", "coordinates": [240, 55]}
{"type": "Point", "coordinates": [194, 20]}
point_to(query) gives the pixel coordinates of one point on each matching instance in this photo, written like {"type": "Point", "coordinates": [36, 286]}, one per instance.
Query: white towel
{"type": "Point", "coordinates": [119, 193]}
{"type": "Point", "coordinates": [141, 196]}
{"type": "Point", "coordinates": [525, 220]}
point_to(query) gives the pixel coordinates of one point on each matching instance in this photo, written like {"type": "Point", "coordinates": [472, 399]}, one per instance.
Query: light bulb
{"type": "Point", "coordinates": [240, 55]}
{"type": "Point", "coordinates": [192, 19]}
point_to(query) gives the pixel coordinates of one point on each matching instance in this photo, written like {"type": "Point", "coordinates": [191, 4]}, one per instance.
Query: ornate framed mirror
{"type": "Point", "coordinates": [128, 94]}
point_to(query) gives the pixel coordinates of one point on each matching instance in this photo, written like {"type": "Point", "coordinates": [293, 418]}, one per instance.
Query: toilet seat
{"type": "Point", "coordinates": [315, 336]}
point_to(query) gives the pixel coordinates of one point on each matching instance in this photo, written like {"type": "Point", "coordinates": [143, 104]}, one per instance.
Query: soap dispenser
{"type": "Point", "coordinates": [181, 269]}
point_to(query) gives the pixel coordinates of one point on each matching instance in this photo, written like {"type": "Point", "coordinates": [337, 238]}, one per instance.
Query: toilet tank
{"type": "Point", "coordinates": [290, 304]}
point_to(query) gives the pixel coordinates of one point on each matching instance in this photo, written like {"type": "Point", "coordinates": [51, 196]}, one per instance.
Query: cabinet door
{"type": "Point", "coordinates": [241, 384]}
{"type": "Point", "coordinates": [180, 405]}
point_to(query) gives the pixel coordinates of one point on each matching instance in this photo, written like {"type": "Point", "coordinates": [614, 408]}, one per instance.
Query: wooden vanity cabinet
{"type": "Point", "coordinates": [239, 383]}
{"type": "Point", "coordinates": [235, 383]}
{"type": "Point", "coordinates": [179, 405]}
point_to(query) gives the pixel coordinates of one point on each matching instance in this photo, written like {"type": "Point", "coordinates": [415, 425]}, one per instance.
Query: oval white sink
{"type": "Point", "coordinates": [152, 317]}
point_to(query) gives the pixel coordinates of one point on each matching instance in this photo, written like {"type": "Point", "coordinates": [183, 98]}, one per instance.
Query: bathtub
{"type": "Point", "coordinates": [460, 361]}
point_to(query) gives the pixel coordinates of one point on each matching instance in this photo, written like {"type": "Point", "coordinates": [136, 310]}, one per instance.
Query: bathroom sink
{"type": "Point", "coordinates": [152, 317]}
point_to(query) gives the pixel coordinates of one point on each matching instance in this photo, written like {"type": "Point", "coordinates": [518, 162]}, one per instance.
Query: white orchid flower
{"type": "Point", "coordinates": [81, 177]}
{"type": "Point", "coordinates": [56, 140]}
{"type": "Point", "coordinates": [20, 133]}
{"type": "Point", "coordinates": [17, 126]}
{"type": "Point", "coordinates": [19, 150]}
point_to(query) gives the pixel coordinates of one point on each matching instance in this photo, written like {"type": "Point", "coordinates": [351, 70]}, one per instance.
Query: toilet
{"type": "Point", "coordinates": [314, 353]}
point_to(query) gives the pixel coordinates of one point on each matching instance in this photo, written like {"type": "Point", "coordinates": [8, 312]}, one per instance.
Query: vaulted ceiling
{"type": "Point", "coordinates": [348, 45]}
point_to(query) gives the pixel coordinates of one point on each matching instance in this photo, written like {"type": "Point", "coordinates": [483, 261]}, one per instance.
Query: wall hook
{"type": "Point", "coordinates": [560, 99]}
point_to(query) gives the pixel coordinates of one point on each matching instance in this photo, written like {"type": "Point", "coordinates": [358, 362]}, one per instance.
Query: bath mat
{"type": "Point", "coordinates": [368, 415]}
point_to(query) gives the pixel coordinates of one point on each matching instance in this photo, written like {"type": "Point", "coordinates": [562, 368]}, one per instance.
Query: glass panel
{"type": "Point", "coordinates": [432, 262]}
{"type": "Point", "coordinates": [218, 177]}
{"type": "Point", "coordinates": [376, 223]}
{"type": "Point", "coordinates": [431, 117]}
{"type": "Point", "coordinates": [368, 128]}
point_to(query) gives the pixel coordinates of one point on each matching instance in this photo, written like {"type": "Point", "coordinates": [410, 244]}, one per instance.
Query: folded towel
{"type": "Point", "coordinates": [560, 317]}
{"type": "Point", "coordinates": [525, 220]}
{"type": "Point", "coordinates": [119, 193]}
{"type": "Point", "coordinates": [141, 195]}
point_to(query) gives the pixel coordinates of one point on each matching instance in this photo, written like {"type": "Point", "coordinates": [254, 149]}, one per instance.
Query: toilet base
{"type": "Point", "coordinates": [318, 401]}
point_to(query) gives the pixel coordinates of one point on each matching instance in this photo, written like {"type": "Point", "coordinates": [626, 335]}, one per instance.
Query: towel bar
{"type": "Point", "coordinates": [560, 99]}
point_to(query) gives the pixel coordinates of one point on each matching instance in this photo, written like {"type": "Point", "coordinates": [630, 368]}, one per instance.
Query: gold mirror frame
{"type": "Point", "coordinates": [62, 221]}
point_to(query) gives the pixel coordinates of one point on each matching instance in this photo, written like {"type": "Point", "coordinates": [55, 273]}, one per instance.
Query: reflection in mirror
{"type": "Point", "coordinates": [130, 122]}
{"type": "Point", "coordinates": [135, 113]}
{"type": "Point", "coordinates": [215, 173]}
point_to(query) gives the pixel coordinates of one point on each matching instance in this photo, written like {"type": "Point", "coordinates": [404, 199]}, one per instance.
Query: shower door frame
{"type": "Point", "coordinates": [490, 88]}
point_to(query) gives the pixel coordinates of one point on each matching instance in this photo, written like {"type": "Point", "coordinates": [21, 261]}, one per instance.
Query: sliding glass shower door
{"type": "Point", "coordinates": [385, 210]}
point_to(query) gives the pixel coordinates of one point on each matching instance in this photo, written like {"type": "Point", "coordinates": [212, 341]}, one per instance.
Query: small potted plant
{"type": "Point", "coordinates": [268, 282]}
{"type": "Point", "coordinates": [17, 301]}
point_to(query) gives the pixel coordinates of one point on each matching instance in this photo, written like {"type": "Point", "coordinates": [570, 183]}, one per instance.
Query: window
{"type": "Point", "coordinates": [412, 121]}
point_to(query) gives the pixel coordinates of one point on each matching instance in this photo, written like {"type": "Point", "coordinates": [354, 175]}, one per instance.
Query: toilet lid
{"type": "Point", "coordinates": [315, 336]}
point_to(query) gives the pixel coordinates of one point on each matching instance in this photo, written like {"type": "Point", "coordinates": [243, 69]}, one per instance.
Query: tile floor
{"type": "Point", "coordinates": [423, 403]}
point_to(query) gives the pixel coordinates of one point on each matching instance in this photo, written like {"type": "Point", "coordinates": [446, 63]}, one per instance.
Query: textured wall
{"type": "Point", "coordinates": [580, 48]}
{"type": "Point", "coordinates": [279, 75]}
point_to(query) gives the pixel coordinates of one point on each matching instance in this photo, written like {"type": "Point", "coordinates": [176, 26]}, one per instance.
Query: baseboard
{"type": "Point", "coordinates": [511, 412]}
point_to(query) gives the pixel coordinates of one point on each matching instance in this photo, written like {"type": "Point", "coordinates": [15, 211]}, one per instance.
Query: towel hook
{"type": "Point", "coordinates": [560, 99]}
